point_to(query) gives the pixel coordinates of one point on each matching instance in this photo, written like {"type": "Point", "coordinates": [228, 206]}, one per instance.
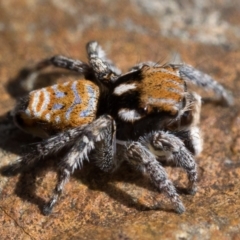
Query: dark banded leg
{"type": "Point", "coordinates": [29, 75]}
{"type": "Point", "coordinates": [100, 132]}
{"type": "Point", "coordinates": [62, 62]}
{"type": "Point", "coordinates": [63, 177]}
{"type": "Point", "coordinates": [141, 158]}
{"type": "Point", "coordinates": [168, 147]}
{"type": "Point", "coordinates": [96, 131]}
{"type": "Point", "coordinates": [203, 80]}
{"type": "Point", "coordinates": [38, 151]}
{"type": "Point", "coordinates": [104, 69]}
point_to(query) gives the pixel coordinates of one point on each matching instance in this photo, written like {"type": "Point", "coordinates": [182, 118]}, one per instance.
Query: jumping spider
{"type": "Point", "coordinates": [148, 113]}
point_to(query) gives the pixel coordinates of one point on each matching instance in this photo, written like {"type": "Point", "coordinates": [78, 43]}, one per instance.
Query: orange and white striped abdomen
{"type": "Point", "coordinates": [64, 105]}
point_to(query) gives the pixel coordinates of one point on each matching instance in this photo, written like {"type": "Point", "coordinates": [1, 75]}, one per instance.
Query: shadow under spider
{"type": "Point", "coordinates": [94, 179]}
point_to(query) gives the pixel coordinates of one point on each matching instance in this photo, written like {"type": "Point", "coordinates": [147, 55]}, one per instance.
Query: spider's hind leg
{"type": "Point", "coordinates": [62, 62]}
{"type": "Point", "coordinates": [100, 131]}
{"type": "Point", "coordinates": [30, 74]}
{"type": "Point", "coordinates": [38, 151]}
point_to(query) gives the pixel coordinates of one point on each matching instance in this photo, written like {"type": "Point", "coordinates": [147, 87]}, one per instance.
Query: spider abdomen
{"type": "Point", "coordinates": [60, 107]}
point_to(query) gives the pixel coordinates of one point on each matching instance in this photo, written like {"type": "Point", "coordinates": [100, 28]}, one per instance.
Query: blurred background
{"type": "Point", "coordinates": [205, 34]}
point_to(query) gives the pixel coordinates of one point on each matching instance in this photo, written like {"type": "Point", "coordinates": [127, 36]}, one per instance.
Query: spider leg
{"type": "Point", "coordinates": [104, 69]}
{"type": "Point", "coordinates": [186, 127]}
{"type": "Point", "coordinates": [29, 75]}
{"type": "Point", "coordinates": [104, 153]}
{"type": "Point", "coordinates": [201, 79]}
{"type": "Point", "coordinates": [37, 151]}
{"type": "Point", "coordinates": [101, 131]}
{"type": "Point", "coordinates": [62, 62]}
{"type": "Point", "coordinates": [167, 146]}
{"type": "Point", "coordinates": [140, 157]}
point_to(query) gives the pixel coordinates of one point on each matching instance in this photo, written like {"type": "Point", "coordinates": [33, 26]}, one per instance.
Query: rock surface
{"type": "Point", "coordinates": [95, 205]}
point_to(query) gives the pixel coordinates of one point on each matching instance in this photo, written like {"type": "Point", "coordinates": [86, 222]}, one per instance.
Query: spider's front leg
{"type": "Point", "coordinates": [169, 147]}
{"type": "Point", "coordinates": [104, 68]}
{"type": "Point", "coordinates": [140, 157]}
{"type": "Point", "coordinates": [100, 133]}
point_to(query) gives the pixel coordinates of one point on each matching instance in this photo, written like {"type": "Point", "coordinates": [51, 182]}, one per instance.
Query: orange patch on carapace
{"type": "Point", "coordinates": [161, 89]}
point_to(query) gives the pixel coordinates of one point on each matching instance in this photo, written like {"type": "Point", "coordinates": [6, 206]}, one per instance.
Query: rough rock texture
{"type": "Point", "coordinates": [205, 34]}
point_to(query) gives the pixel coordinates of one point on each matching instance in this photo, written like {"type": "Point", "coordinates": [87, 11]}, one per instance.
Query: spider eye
{"type": "Point", "coordinates": [143, 110]}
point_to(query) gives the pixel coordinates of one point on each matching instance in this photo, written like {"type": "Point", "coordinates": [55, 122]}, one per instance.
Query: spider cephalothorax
{"type": "Point", "coordinates": [148, 113]}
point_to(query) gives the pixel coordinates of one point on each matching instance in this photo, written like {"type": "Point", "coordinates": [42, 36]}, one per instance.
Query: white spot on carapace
{"type": "Point", "coordinates": [123, 88]}
{"type": "Point", "coordinates": [129, 115]}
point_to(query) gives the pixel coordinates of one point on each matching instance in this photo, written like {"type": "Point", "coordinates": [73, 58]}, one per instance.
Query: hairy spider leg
{"type": "Point", "coordinates": [141, 158]}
